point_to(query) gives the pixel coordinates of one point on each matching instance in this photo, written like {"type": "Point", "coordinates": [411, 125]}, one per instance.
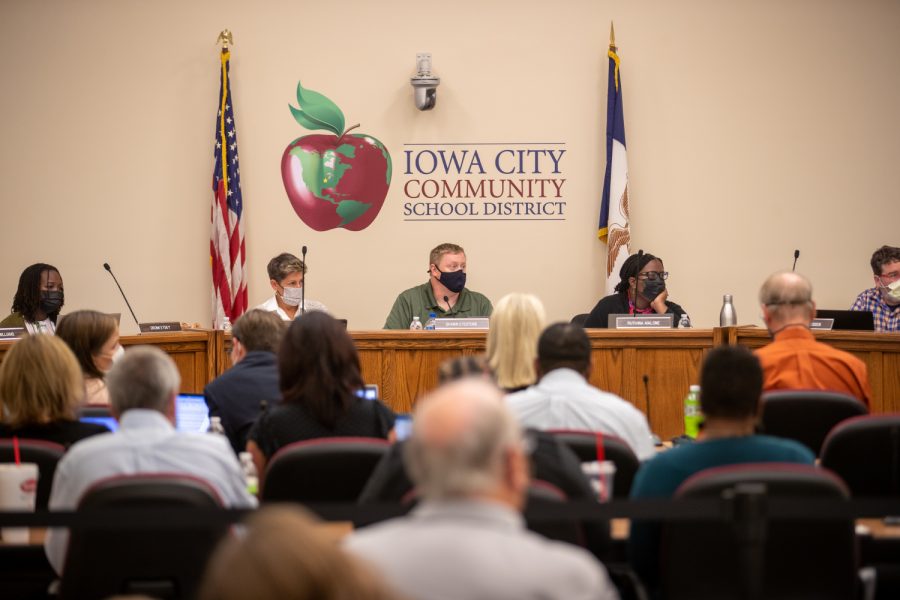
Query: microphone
{"type": "Point", "coordinates": [447, 300]}
{"type": "Point", "coordinates": [128, 304]}
{"type": "Point", "coordinates": [303, 289]}
{"type": "Point", "coordinates": [796, 256]}
{"type": "Point", "coordinates": [637, 271]}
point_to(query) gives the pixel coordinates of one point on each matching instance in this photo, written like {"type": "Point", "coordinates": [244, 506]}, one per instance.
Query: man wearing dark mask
{"type": "Point", "coordinates": [38, 300]}
{"type": "Point", "coordinates": [641, 290]}
{"type": "Point", "coordinates": [444, 294]}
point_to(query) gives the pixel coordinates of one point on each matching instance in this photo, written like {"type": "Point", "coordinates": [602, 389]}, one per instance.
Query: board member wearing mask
{"type": "Point", "coordinates": [38, 300]}
{"type": "Point", "coordinates": [445, 293]}
{"type": "Point", "coordinates": [643, 294]}
{"type": "Point", "coordinates": [286, 274]}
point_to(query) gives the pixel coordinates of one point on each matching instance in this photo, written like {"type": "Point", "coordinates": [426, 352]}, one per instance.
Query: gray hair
{"type": "Point", "coordinates": [145, 377]}
{"type": "Point", "coordinates": [471, 460]}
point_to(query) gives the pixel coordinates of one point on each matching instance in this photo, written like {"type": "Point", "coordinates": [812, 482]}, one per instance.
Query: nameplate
{"type": "Point", "coordinates": [160, 327]}
{"type": "Point", "coordinates": [446, 323]}
{"type": "Point", "coordinates": [11, 333]}
{"type": "Point", "coordinates": [641, 321]}
{"type": "Point", "coordinates": [822, 324]}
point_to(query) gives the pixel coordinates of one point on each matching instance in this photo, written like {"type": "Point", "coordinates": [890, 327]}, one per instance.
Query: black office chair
{"type": "Point", "coordinates": [584, 445]}
{"type": "Point", "coordinates": [580, 319]}
{"type": "Point", "coordinates": [44, 454]}
{"type": "Point", "coordinates": [94, 410]}
{"type": "Point", "coordinates": [865, 452]}
{"type": "Point", "coordinates": [801, 559]}
{"type": "Point", "coordinates": [322, 470]}
{"type": "Point", "coordinates": [153, 559]}
{"type": "Point", "coordinates": [806, 415]}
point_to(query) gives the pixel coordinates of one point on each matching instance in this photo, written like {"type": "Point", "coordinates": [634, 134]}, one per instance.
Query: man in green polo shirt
{"type": "Point", "coordinates": [444, 294]}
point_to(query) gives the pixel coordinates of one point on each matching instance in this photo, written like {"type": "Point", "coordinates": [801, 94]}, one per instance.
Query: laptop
{"type": "Point", "coordinates": [369, 392]}
{"type": "Point", "coordinates": [857, 320]}
{"type": "Point", "coordinates": [191, 413]}
{"type": "Point", "coordinates": [109, 422]}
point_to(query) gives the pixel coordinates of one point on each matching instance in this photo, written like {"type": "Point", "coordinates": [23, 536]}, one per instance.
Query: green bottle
{"type": "Point", "coordinates": [692, 415]}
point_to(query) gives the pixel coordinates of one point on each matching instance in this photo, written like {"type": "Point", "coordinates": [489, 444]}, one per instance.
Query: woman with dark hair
{"type": "Point", "coordinates": [94, 339]}
{"type": "Point", "coordinates": [641, 290]}
{"type": "Point", "coordinates": [38, 300]}
{"type": "Point", "coordinates": [320, 383]}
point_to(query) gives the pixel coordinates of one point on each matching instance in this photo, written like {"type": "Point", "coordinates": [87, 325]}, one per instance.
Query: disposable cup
{"type": "Point", "coordinates": [601, 476]}
{"type": "Point", "coordinates": [18, 490]}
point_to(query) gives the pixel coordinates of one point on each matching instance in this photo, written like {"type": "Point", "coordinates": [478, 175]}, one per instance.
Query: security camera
{"type": "Point", "coordinates": [424, 83]}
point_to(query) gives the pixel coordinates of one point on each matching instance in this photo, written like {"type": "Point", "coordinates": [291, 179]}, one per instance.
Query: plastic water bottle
{"type": "Point", "coordinates": [251, 477]}
{"type": "Point", "coordinates": [416, 323]}
{"type": "Point", "coordinates": [727, 316]}
{"type": "Point", "coordinates": [429, 324]}
{"type": "Point", "coordinates": [685, 321]}
{"type": "Point", "coordinates": [226, 324]}
{"type": "Point", "coordinates": [215, 426]}
{"type": "Point", "coordinates": [692, 414]}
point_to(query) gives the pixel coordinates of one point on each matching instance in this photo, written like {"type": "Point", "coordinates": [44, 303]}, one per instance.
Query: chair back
{"type": "Point", "coordinates": [44, 454]}
{"type": "Point", "coordinates": [541, 494]}
{"type": "Point", "coordinates": [149, 558]}
{"type": "Point", "coordinates": [580, 319]}
{"type": "Point", "coordinates": [585, 446]}
{"type": "Point", "coordinates": [94, 410]}
{"type": "Point", "coordinates": [807, 415]}
{"type": "Point", "coordinates": [800, 559]}
{"type": "Point", "coordinates": [322, 470]}
{"type": "Point", "coordinates": [865, 452]}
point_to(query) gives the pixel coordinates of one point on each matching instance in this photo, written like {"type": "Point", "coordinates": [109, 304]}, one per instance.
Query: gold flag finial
{"type": "Point", "coordinates": [612, 36]}
{"type": "Point", "coordinates": [226, 39]}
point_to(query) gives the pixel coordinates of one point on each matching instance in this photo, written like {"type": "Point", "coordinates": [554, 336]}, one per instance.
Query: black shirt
{"type": "Point", "coordinates": [292, 422]}
{"type": "Point", "coordinates": [617, 304]}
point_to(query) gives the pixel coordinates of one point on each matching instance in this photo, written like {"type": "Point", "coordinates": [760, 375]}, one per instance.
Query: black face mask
{"type": "Point", "coordinates": [52, 301]}
{"type": "Point", "coordinates": [454, 281]}
{"type": "Point", "coordinates": [652, 289]}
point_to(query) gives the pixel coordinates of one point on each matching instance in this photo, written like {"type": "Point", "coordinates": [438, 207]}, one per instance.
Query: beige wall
{"type": "Point", "coordinates": [753, 128]}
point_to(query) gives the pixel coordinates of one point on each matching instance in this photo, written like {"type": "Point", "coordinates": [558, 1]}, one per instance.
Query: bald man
{"type": "Point", "coordinates": [794, 360]}
{"type": "Point", "coordinates": [467, 538]}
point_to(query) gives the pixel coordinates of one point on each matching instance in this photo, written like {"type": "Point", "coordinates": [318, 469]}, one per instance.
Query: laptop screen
{"type": "Point", "coordinates": [369, 392]}
{"type": "Point", "coordinates": [191, 413]}
{"type": "Point", "coordinates": [108, 422]}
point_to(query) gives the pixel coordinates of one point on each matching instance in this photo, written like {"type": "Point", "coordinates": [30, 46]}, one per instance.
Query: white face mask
{"type": "Point", "coordinates": [892, 292]}
{"type": "Point", "coordinates": [291, 296]}
{"type": "Point", "coordinates": [118, 353]}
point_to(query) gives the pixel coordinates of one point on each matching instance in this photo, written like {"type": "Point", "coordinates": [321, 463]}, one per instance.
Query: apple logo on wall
{"type": "Point", "coordinates": [337, 179]}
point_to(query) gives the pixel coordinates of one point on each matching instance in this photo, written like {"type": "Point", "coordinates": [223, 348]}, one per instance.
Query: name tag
{"type": "Point", "coordinates": [159, 327]}
{"type": "Point", "coordinates": [11, 333]}
{"type": "Point", "coordinates": [456, 323]}
{"type": "Point", "coordinates": [641, 321]}
{"type": "Point", "coordinates": [822, 324]}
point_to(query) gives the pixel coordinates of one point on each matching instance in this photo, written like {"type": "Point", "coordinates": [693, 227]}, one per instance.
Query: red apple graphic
{"type": "Point", "coordinates": [338, 179]}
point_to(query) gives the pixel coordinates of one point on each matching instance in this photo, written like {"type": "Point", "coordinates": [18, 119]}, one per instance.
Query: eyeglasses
{"type": "Point", "coordinates": [890, 277]}
{"type": "Point", "coordinates": [653, 275]}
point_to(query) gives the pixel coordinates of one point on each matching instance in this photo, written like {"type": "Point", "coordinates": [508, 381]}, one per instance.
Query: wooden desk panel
{"type": "Point", "coordinates": [879, 351]}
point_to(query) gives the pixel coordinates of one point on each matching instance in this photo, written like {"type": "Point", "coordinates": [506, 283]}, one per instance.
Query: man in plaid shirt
{"type": "Point", "coordinates": [883, 301]}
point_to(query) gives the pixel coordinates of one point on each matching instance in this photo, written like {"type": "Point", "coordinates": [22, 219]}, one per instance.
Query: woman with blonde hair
{"type": "Point", "coordinates": [284, 555]}
{"type": "Point", "coordinates": [40, 389]}
{"type": "Point", "coordinates": [94, 339]}
{"type": "Point", "coordinates": [516, 324]}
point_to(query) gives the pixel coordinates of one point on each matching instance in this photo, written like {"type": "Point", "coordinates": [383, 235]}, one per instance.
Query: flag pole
{"type": "Point", "coordinates": [612, 37]}
{"type": "Point", "coordinates": [225, 39]}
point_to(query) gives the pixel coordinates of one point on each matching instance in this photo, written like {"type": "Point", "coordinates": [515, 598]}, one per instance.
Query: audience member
{"type": "Point", "coordinates": [883, 300]}
{"type": "Point", "coordinates": [467, 538]}
{"type": "Point", "coordinates": [319, 376]}
{"type": "Point", "coordinates": [236, 395]}
{"type": "Point", "coordinates": [469, 365]}
{"type": "Point", "coordinates": [641, 290]}
{"type": "Point", "coordinates": [283, 555]}
{"type": "Point", "coordinates": [38, 300]}
{"type": "Point", "coordinates": [794, 359]}
{"type": "Point", "coordinates": [40, 390]}
{"type": "Point", "coordinates": [94, 338]}
{"type": "Point", "coordinates": [563, 398]}
{"type": "Point", "coordinates": [286, 273]}
{"type": "Point", "coordinates": [445, 293]}
{"type": "Point", "coordinates": [142, 390]}
{"type": "Point", "coordinates": [516, 323]}
{"type": "Point", "coordinates": [731, 386]}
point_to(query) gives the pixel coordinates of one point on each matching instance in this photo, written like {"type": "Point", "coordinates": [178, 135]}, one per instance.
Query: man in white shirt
{"type": "Point", "coordinates": [563, 399]}
{"type": "Point", "coordinates": [142, 386]}
{"type": "Point", "coordinates": [467, 538]}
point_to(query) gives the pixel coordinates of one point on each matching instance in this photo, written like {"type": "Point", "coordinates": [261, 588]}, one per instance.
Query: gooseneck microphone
{"type": "Point", "coordinates": [127, 303]}
{"type": "Point", "coordinates": [796, 256]}
{"type": "Point", "coordinates": [303, 287]}
{"type": "Point", "coordinates": [447, 300]}
{"type": "Point", "coordinates": [637, 271]}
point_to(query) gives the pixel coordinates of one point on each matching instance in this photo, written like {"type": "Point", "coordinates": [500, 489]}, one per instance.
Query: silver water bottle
{"type": "Point", "coordinates": [727, 316]}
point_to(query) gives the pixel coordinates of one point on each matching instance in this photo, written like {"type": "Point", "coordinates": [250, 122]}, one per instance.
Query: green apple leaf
{"type": "Point", "coordinates": [350, 210]}
{"type": "Point", "coordinates": [317, 112]}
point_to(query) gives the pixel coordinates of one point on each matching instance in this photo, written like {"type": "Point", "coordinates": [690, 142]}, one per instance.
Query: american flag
{"type": "Point", "coordinates": [226, 246]}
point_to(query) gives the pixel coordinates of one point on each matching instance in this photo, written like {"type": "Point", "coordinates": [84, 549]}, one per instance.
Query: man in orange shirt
{"type": "Point", "coordinates": [794, 360]}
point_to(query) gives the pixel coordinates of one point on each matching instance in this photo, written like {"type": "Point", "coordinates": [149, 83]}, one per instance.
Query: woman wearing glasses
{"type": "Point", "coordinates": [650, 285]}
